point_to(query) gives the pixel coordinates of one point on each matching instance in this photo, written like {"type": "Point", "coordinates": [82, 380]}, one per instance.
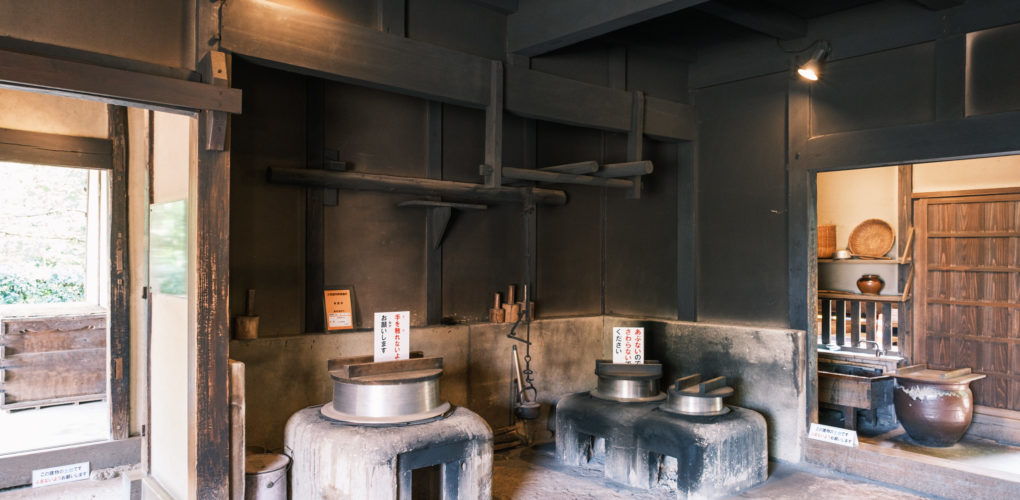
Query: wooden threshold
{"type": "Point", "coordinates": [914, 471]}
{"type": "Point", "coordinates": [16, 470]}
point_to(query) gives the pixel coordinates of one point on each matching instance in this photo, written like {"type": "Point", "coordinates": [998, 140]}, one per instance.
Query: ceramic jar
{"type": "Point", "coordinates": [870, 284]}
{"type": "Point", "coordinates": [935, 411]}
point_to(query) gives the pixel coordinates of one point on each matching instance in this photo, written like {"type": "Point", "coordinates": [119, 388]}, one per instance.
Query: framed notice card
{"type": "Point", "coordinates": [338, 305]}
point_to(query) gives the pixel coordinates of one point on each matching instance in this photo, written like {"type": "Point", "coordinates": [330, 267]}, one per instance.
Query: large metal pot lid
{"type": "Point", "coordinates": [361, 370]}
{"type": "Point", "coordinates": [650, 369]}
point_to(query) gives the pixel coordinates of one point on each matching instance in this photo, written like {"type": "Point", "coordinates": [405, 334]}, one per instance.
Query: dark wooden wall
{"type": "Point", "coordinates": [922, 86]}
{"type": "Point", "coordinates": [599, 253]}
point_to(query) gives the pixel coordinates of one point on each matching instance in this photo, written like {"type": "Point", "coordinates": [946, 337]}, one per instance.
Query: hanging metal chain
{"type": "Point", "coordinates": [527, 371]}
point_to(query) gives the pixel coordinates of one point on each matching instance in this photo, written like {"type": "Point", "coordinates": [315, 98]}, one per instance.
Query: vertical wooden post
{"type": "Point", "coordinates": [434, 255]}
{"type": "Point", "coordinates": [493, 168]}
{"type": "Point", "coordinates": [120, 274]}
{"type": "Point", "coordinates": [315, 130]}
{"type": "Point", "coordinates": [636, 139]}
{"type": "Point", "coordinates": [826, 320]}
{"type": "Point", "coordinates": [855, 323]}
{"type": "Point", "coordinates": [840, 322]}
{"type": "Point", "coordinates": [237, 436]}
{"type": "Point", "coordinates": [211, 192]}
{"type": "Point", "coordinates": [905, 204]}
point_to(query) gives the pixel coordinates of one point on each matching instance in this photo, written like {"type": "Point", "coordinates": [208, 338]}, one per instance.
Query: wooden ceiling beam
{"type": "Point", "coordinates": [327, 48]}
{"type": "Point", "coordinates": [940, 4]}
{"type": "Point", "coordinates": [504, 6]}
{"type": "Point", "coordinates": [541, 26]}
{"type": "Point", "coordinates": [754, 16]}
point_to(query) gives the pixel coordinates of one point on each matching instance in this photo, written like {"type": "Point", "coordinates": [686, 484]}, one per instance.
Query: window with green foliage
{"type": "Point", "coordinates": [52, 233]}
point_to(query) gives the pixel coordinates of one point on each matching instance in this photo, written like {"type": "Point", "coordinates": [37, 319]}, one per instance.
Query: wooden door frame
{"type": "Point", "coordinates": [131, 87]}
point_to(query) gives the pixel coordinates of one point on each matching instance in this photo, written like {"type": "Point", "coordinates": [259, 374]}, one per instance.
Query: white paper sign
{"type": "Point", "coordinates": [392, 335]}
{"type": "Point", "coordinates": [835, 435]}
{"type": "Point", "coordinates": [628, 345]}
{"type": "Point", "coordinates": [61, 474]}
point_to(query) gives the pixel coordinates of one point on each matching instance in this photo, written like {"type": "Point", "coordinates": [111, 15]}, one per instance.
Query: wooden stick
{"type": "Point", "coordinates": [627, 169]}
{"type": "Point", "coordinates": [582, 167]}
{"type": "Point", "coordinates": [561, 178]}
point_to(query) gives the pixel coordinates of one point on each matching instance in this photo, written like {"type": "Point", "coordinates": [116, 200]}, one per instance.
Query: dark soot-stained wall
{"type": "Point", "coordinates": [742, 197]}
{"type": "Point", "coordinates": [380, 249]}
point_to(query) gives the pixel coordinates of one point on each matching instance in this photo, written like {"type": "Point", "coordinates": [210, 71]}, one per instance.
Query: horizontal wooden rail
{"type": "Point", "coordinates": [413, 185]}
{"type": "Point", "coordinates": [562, 178]}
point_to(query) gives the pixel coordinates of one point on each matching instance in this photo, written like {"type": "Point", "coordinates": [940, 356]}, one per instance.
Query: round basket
{"type": "Point", "coordinates": [872, 238]}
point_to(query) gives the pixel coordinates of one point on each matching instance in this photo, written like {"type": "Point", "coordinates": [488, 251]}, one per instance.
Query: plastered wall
{"type": "Point", "coordinates": [51, 114]}
{"type": "Point", "coordinates": [159, 32]}
{"type": "Point", "coordinates": [765, 366]}
{"type": "Point", "coordinates": [960, 175]}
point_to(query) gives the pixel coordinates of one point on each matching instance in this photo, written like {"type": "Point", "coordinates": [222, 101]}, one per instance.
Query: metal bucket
{"type": "Point", "coordinates": [265, 476]}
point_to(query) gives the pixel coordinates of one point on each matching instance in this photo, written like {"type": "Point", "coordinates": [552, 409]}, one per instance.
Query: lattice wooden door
{"type": "Point", "coordinates": [967, 299]}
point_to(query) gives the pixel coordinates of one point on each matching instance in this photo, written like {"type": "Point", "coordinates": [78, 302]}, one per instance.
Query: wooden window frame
{"type": "Point", "coordinates": [109, 155]}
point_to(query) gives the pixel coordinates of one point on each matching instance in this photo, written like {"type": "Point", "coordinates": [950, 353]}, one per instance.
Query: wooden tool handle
{"type": "Point", "coordinates": [510, 294]}
{"type": "Point", "coordinates": [249, 307]}
{"type": "Point", "coordinates": [496, 304]}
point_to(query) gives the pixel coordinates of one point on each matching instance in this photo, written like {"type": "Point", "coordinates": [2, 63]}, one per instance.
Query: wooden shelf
{"type": "Point", "coordinates": [430, 203]}
{"type": "Point", "coordinates": [976, 269]}
{"type": "Point", "coordinates": [974, 234]}
{"type": "Point", "coordinates": [859, 261]}
{"type": "Point", "coordinates": [830, 294]}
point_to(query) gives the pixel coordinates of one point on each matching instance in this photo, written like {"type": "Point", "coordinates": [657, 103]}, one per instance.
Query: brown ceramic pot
{"type": "Point", "coordinates": [934, 414]}
{"type": "Point", "coordinates": [870, 284]}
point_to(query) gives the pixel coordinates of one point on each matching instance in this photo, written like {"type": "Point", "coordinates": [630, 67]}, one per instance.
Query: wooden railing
{"type": "Point", "coordinates": [847, 319]}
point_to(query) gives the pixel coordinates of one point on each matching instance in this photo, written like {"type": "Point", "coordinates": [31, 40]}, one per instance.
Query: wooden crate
{"type": "Point", "coordinates": [49, 360]}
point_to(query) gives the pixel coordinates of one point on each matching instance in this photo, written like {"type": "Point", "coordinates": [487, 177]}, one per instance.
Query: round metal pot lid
{"type": "Point", "coordinates": [440, 411]}
{"type": "Point", "coordinates": [626, 390]}
{"type": "Point", "coordinates": [690, 396]}
{"type": "Point", "coordinates": [647, 370]}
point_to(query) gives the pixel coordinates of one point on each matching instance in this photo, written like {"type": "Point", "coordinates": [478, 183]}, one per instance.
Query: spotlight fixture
{"type": "Point", "coordinates": [810, 69]}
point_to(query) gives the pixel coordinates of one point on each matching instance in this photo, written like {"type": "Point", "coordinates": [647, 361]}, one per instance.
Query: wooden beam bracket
{"type": "Point", "coordinates": [439, 214]}
{"type": "Point", "coordinates": [214, 72]}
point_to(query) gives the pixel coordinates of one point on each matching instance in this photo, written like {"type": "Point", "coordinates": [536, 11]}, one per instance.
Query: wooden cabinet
{"type": "Point", "coordinates": [54, 359]}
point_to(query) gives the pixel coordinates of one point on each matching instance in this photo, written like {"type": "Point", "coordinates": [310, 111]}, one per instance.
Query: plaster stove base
{"type": "Point", "coordinates": [713, 455]}
{"type": "Point", "coordinates": [339, 461]}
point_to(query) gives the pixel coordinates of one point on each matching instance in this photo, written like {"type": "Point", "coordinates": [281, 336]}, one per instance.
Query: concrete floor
{"type": "Point", "coordinates": [525, 474]}
{"type": "Point", "coordinates": [28, 430]}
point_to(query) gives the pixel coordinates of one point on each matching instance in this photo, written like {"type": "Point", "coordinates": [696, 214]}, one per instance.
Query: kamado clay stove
{"type": "Point", "coordinates": [385, 434]}
{"type": "Point", "coordinates": [691, 442]}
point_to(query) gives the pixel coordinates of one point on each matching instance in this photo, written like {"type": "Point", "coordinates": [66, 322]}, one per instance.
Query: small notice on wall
{"type": "Point", "coordinates": [392, 335]}
{"type": "Point", "coordinates": [62, 474]}
{"type": "Point", "coordinates": [835, 435]}
{"type": "Point", "coordinates": [338, 308]}
{"type": "Point", "coordinates": [628, 345]}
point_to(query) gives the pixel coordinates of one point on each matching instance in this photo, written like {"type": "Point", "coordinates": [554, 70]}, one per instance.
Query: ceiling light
{"type": "Point", "coordinates": [810, 69]}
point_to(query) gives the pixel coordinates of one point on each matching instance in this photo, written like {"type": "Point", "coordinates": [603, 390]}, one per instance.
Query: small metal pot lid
{"type": "Point", "coordinates": [264, 463]}
{"type": "Point", "coordinates": [690, 396]}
